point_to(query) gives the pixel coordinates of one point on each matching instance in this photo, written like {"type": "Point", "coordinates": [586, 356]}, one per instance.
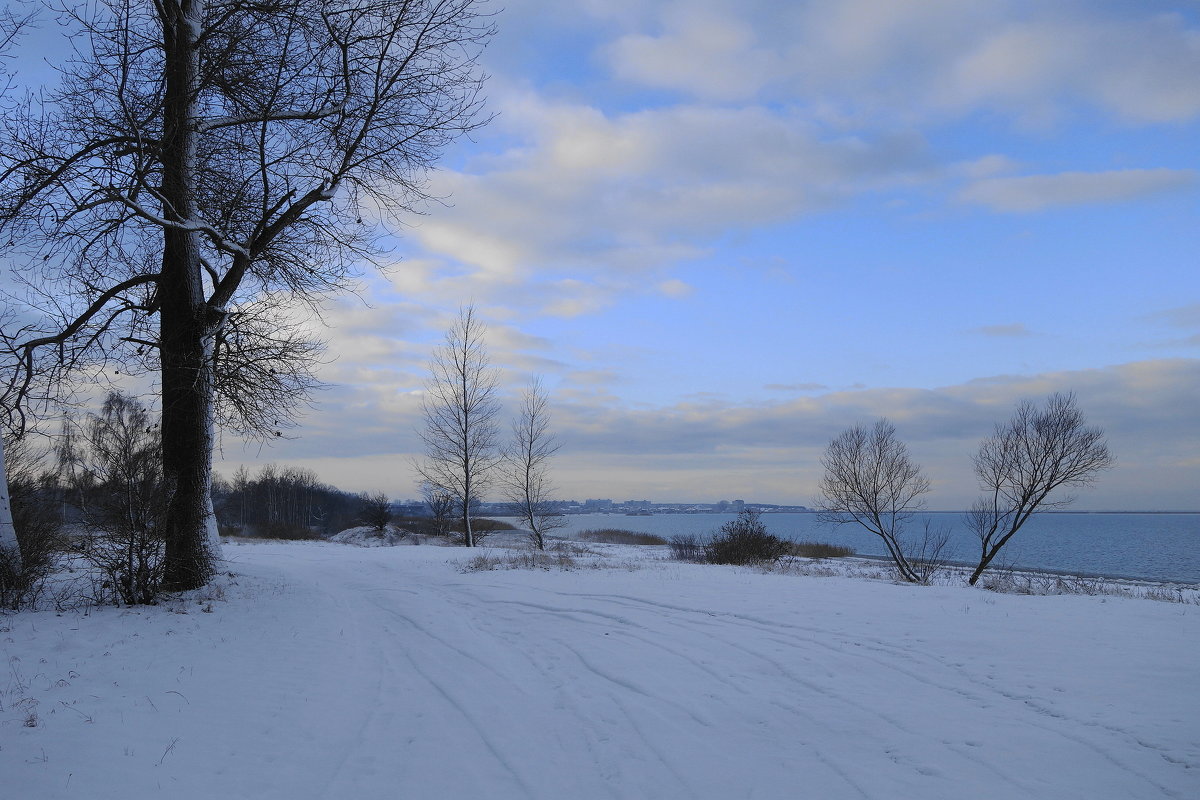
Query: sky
{"type": "Point", "coordinates": [721, 232]}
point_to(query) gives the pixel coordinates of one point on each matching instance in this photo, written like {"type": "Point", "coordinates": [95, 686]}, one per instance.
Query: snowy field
{"type": "Point", "coordinates": [331, 671]}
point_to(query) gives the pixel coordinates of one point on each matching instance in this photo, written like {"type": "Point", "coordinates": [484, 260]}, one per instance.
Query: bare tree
{"type": "Point", "coordinates": [34, 495]}
{"type": "Point", "coordinates": [11, 563]}
{"type": "Point", "coordinates": [526, 482]}
{"type": "Point", "coordinates": [870, 480]}
{"type": "Point", "coordinates": [113, 469]}
{"type": "Point", "coordinates": [441, 507]}
{"type": "Point", "coordinates": [376, 510]}
{"type": "Point", "coordinates": [1027, 458]}
{"type": "Point", "coordinates": [200, 155]}
{"type": "Point", "coordinates": [459, 410]}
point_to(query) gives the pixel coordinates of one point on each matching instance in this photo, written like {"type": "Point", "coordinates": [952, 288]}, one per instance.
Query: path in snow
{"type": "Point", "coordinates": [388, 673]}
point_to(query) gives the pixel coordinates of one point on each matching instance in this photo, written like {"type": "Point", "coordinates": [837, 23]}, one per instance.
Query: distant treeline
{"type": "Point", "coordinates": [283, 502]}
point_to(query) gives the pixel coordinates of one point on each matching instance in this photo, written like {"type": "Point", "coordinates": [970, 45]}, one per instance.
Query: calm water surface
{"type": "Point", "coordinates": [1151, 546]}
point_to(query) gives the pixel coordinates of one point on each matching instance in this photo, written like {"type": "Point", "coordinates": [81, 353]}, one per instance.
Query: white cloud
{"type": "Point", "coordinates": [1038, 192]}
{"type": "Point", "coordinates": [596, 197]}
{"type": "Point", "coordinates": [676, 288]}
{"type": "Point", "coordinates": [1143, 69]}
{"type": "Point", "coordinates": [706, 53]}
{"type": "Point", "coordinates": [921, 57]}
{"type": "Point", "coordinates": [690, 450]}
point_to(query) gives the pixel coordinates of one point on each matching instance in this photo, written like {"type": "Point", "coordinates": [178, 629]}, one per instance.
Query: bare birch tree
{"type": "Point", "coordinates": [527, 461]}
{"type": "Point", "coordinates": [199, 155]}
{"type": "Point", "coordinates": [11, 563]}
{"type": "Point", "coordinates": [459, 409]}
{"type": "Point", "coordinates": [1024, 461]}
{"type": "Point", "coordinates": [871, 481]}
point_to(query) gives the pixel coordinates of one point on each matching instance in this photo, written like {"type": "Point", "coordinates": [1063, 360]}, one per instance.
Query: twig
{"type": "Point", "coordinates": [170, 747]}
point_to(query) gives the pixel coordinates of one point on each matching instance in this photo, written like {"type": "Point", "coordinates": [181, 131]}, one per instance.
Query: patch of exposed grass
{"type": "Point", "coordinates": [619, 536]}
{"type": "Point", "coordinates": [529, 559]}
{"type": "Point", "coordinates": [820, 550]}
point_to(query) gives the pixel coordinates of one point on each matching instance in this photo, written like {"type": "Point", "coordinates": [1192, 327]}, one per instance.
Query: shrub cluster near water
{"type": "Point", "coordinates": [746, 540]}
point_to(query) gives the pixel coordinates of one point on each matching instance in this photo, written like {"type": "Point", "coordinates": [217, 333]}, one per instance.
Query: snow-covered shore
{"type": "Point", "coordinates": [327, 671]}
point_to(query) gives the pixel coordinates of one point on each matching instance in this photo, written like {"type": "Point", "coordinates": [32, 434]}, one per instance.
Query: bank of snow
{"type": "Point", "coordinates": [329, 671]}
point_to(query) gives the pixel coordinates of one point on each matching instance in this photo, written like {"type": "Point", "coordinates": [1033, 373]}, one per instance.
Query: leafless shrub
{"type": "Point", "coordinates": [687, 548]}
{"type": "Point", "coordinates": [441, 508]}
{"type": "Point", "coordinates": [929, 555]}
{"type": "Point", "coordinates": [745, 540]}
{"type": "Point", "coordinates": [31, 495]}
{"type": "Point", "coordinates": [376, 510]}
{"type": "Point", "coordinates": [112, 464]}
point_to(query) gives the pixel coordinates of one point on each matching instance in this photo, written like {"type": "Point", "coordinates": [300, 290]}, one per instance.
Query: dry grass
{"type": "Point", "coordinates": [528, 559]}
{"type": "Point", "coordinates": [820, 550]}
{"type": "Point", "coordinates": [619, 536]}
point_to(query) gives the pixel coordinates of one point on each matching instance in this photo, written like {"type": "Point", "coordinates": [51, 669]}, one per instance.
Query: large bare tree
{"type": "Point", "coordinates": [1024, 461]}
{"type": "Point", "coordinates": [11, 25]}
{"type": "Point", "coordinates": [202, 156]}
{"type": "Point", "coordinates": [527, 481]}
{"type": "Point", "coordinates": [459, 409]}
{"type": "Point", "coordinates": [870, 480]}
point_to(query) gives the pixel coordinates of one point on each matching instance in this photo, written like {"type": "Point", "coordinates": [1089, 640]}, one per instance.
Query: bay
{"type": "Point", "coordinates": [1158, 547]}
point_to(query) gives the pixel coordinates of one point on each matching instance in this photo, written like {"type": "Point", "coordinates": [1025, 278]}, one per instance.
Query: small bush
{"type": "Point", "coordinates": [20, 583]}
{"type": "Point", "coordinates": [619, 536]}
{"type": "Point", "coordinates": [687, 548]}
{"type": "Point", "coordinates": [820, 550]}
{"type": "Point", "coordinates": [745, 540]}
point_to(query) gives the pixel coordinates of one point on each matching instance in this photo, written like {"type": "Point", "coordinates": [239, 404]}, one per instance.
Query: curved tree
{"type": "Point", "coordinates": [1024, 461]}
{"type": "Point", "coordinates": [203, 156]}
{"type": "Point", "coordinates": [870, 480]}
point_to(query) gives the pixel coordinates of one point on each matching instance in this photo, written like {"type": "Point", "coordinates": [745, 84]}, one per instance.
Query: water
{"type": "Point", "coordinates": [1162, 547]}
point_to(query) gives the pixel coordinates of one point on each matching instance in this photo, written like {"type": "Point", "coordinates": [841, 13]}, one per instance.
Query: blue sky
{"type": "Point", "coordinates": [723, 231]}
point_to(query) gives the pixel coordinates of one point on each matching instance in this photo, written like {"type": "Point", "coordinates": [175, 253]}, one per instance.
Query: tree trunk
{"type": "Point", "coordinates": [468, 534]}
{"type": "Point", "coordinates": [8, 534]}
{"type": "Point", "coordinates": [187, 326]}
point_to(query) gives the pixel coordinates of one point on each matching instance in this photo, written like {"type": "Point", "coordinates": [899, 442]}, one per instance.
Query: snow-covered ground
{"type": "Point", "coordinates": [328, 671]}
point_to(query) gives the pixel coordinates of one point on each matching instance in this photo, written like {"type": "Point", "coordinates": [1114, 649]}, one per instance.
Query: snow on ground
{"type": "Point", "coordinates": [327, 671]}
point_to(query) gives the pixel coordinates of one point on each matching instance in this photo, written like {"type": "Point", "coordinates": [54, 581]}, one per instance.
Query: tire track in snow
{"type": "Point", "coordinates": [980, 692]}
